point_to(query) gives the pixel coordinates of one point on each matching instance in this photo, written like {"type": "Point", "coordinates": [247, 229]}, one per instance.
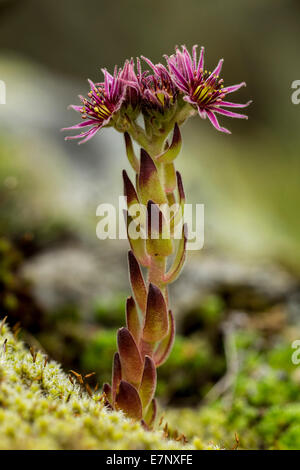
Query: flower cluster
{"type": "Point", "coordinates": [162, 94]}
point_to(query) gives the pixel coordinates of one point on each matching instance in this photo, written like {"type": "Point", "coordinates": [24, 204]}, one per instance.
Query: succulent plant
{"type": "Point", "coordinates": [166, 97]}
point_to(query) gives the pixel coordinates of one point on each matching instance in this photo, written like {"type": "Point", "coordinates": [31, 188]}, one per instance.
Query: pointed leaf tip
{"type": "Point", "coordinates": [149, 185]}
{"type": "Point", "coordinates": [108, 392]}
{"type": "Point", "coordinates": [137, 281]}
{"type": "Point", "coordinates": [116, 375]}
{"type": "Point", "coordinates": [132, 319]}
{"type": "Point", "coordinates": [137, 243]}
{"type": "Point", "coordinates": [180, 187]}
{"type": "Point", "coordinates": [129, 190]}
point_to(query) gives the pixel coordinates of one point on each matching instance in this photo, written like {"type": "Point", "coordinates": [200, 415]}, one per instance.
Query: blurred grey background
{"type": "Point", "coordinates": [249, 182]}
{"type": "Point", "coordinates": [49, 188]}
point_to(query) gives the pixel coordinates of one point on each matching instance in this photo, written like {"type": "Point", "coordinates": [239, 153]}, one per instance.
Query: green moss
{"type": "Point", "coordinates": [109, 312]}
{"type": "Point", "coordinates": [187, 370]}
{"type": "Point", "coordinates": [41, 409]}
{"type": "Point", "coordinates": [261, 405]}
{"type": "Point", "coordinates": [212, 309]}
{"type": "Point", "coordinates": [99, 353]}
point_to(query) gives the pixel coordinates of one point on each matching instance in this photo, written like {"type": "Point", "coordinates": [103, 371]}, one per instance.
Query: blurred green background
{"type": "Point", "coordinates": [239, 296]}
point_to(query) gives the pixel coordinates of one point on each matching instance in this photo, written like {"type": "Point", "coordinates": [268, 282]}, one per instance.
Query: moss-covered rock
{"type": "Point", "coordinates": [41, 409]}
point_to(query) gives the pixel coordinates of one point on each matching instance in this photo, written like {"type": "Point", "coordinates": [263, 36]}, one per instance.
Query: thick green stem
{"type": "Point", "coordinates": [156, 272]}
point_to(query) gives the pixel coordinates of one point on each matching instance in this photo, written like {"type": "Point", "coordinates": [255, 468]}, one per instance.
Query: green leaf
{"type": "Point", "coordinates": [137, 242]}
{"type": "Point", "coordinates": [165, 346]}
{"type": "Point", "coordinates": [179, 259]}
{"type": "Point", "coordinates": [158, 242]}
{"type": "Point", "coordinates": [108, 392]}
{"type": "Point", "coordinates": [129, 191]}
{"type": "Point", "coordinates": [169, 155]}
{"type": "Point", "coordinates": [169, 177]}
{"type": "Point", "coordinates": [151, 413]}
{"type": "Point", "coordinates": [130, 153]}
{"type": "Point", "coordinates": [149, 186]}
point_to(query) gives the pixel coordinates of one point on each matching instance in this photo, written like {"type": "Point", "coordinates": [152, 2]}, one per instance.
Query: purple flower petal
{"type": "Point", "coordinates": [93, 131]}
{"type": "Point", "coordinates": [215, 122]}
{"type": "Point", "coordinates": [195, 56]}
{"type": "Point", "coordinates": [201, 62]}
{"type": "Point", "coordinates": [202, 112]}
{"type": "Point", "coordinates": [234, 105]}
{"type": "Point", "coordinates": [225, 112]}
{"type": "Point", "coordinates": [81, 124]}
{"type": "Point", "coordinates": [79, 136]}
{"type": "Point", "coordinates": [75, 107]}
{"type": "Point", "coordinates": [231, 89]}
{"type": "Point", "coordinates": [218, 68]}
{"type": "Point", "coordinates": [181, 81]}
{"type": "Point", "coordinates": [148, 61]}
{"type": "Point", "coordinates": [188, 63]}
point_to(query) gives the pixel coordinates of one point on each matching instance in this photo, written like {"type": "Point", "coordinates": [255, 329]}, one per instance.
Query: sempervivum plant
{"type": "Point", "coordinates": [166, 97]}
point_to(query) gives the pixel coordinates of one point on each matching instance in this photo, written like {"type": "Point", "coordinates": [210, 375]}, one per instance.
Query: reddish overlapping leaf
{"type": "Point", "coordinates": [137, 281]}
{"type": "Point", "coordinates": [130, 358]}
{"type": "Point", "coordinates": [156, 320]}
{"type": "Point", "coordinates": [128, 401]}
{"type": "Point", "coordinates": [165, 346]}
{"type": "Point", "coordinates": [148, 384]}
{"type": "Point", "coordinates": [132, 319]}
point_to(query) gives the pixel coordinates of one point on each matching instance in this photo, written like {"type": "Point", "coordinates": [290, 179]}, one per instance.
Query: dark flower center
{"type": "Point", "coordinates": [209, 91]}
{"type": "Point", "coordinates": [97, 106]}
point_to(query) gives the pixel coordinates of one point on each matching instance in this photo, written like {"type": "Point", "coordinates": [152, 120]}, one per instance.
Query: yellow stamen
{"type": "Point", "coordinates": [161, 98]}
